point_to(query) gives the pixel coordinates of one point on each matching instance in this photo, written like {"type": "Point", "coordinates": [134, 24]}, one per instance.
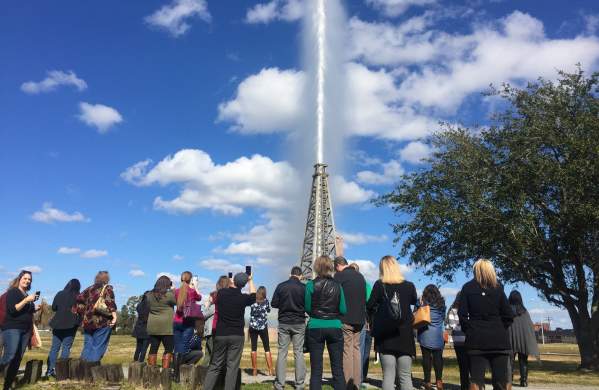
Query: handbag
{"type": "Point", "coordinates": [100, 307]}
{"type": "Point", "coordinates": [192, 310]}
{"type": "Point", "coordinates": [422, 317]}
{"type": "Point", "coordinates": [36, 339]}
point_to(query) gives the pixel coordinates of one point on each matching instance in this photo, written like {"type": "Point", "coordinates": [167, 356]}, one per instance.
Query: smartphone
{"type": "Point", "coordinates": [248, 270]}
{"type": "Point", "coordinates": [37, 295]}
{"type": "Point", "coordinates": [230, 275]}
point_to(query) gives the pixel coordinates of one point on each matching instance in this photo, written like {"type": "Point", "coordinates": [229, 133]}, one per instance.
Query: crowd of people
{"type": "Point", "coordinates": [338, 309]}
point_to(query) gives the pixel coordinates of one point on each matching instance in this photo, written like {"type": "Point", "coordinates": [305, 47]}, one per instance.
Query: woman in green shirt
{"type": "Point", "coordinates": [161, 301]}
{"type": "Point", "coordinates": [325, 303]}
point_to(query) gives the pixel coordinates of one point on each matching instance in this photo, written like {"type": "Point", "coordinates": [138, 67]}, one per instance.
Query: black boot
{"type": "Point", "coordinates": [176, 367]}
{"type": "Point", "coordinates": [523, 360]}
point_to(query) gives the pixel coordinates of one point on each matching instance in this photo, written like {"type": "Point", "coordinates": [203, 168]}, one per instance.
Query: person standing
{"type": "Point", "coordinates": [354, 288]}
{"type": "Point", "coordinates": [140, 329]}
{"type": "Point", "coordinates": [430, 337]}
{"type": "Point", "coordinates": [161, 301]}
{"type": "Point", "coordinates": [210, 316]}
{"type": "Point", "coordinates": [259, 328]}
{"type": "Point", "coordinates": [98, 307]}
{"type": "Point", "coordinates": [522, 337]}
{"type": "Point", "coordinates": [17, 326]}
{"type": "Point", "coordinates": [229, 335]}
{"type": "Point", "coordinates": [184, 326]}
{"type": "Point", "coordinates": [458, 337]}
{"type": "Point", "coordinates": [365, 335]}
{"type": "Point", "coordinates": [485, 316]}
{"type": "Point", "coordinates": [390, 305]}
{"type": "Point", "coordinates": [325, 303]}
{"type": "Point", "coordinates": [288, 298]}
{"type": "Point", "coordinates": [64, 324]}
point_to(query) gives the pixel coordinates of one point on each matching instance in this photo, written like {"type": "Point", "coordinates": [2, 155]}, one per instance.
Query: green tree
{"type": "Point", "coordinates": [523, 192]}
{"type": "Point", "coordinates": [127, 316]}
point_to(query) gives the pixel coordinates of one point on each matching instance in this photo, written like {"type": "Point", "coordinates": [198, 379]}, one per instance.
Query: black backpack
{"type": "Point", "coordinates": [387, 317]}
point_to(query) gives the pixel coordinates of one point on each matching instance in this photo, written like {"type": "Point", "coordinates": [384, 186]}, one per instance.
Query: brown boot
{"type": "Point", "coordinates": [269, 363]}
{"type": "Point", "coordinates": [254, 363]}
{"type": "Point", "coordinates": [439, 384]}
{"type": "Point", "coordinates": [152, 360]}
{"type": "Point", "coordinates": [166, 360]}
{"type": "Point", "coordinates": [474, 386]}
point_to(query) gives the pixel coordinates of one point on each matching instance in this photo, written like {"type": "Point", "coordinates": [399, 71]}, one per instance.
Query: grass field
{"type": "Point", "coordinates": [552, 368]}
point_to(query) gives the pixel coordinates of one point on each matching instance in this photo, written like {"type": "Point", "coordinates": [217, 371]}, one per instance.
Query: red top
{"type": "Point", "coordinates": [192, 296]}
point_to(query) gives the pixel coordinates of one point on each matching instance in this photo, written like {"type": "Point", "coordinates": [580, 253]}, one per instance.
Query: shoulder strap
{"type": "Point", "coordinates": [102, 292]}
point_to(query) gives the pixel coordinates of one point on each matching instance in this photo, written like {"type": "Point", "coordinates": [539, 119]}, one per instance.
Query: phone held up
{"type": "Point", "coordinates": [248, 270]}
{"type": "Point", "coordinates": [37, 295]}
{"type": "Point", "coordinates": [230, 275]}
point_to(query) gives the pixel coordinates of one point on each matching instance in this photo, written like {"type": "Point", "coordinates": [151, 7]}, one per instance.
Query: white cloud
{"type": "Point", "coordinates": [49, 214]}
{"type": "Point", "coordinates": [174, 16]}
{"type": "Point", "coordinates": [137, 273]}
{"type": "Point", "coordinates": [178, 257]}
{"type": "Point", "coordinates": [285, 10]}
{"type": "Point", "coordinates": [361, 238]}
{"type": "Point", "coordinates": [267, 102]}
{"type": "Point", "coordinates": [53, 80]}
{"type": "Point", "coordinates": [415, 152]}
{"type": "Point", "coordinates": [36, 269]}
{"type": "Point", "coordinates": [449, 293]}
{"type": "Point", "coordinates": [65, 250]}
{"type": "Point", "coordinates": [392, 171]}
{"type": "Point", "coordinates": [368, 269]}
{"type": "Point", "coordinates": [246, 182]}
{"type": "Point", "coordinates": [348, 192]}
{"type": "Point", "coordinates": [394, 8]}
{"type": "Point", "coordinates": [221, 265]}
{"type": "Point", "coordinates": [99, 116]}
{"type": "Point", "coordinates": [93, 254]}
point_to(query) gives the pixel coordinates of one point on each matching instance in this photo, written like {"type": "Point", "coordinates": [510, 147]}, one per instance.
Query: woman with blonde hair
{"type": "Point", "coordinates": [325, 303]}
{"type": "Point", "coordinates": [185, 317]}
{"type": "Point", "coordinates": [485, 316]}
{"type": "Point", "coordinates": [390, 305]}
{"type": "Point", "coordinates": [259, 328]}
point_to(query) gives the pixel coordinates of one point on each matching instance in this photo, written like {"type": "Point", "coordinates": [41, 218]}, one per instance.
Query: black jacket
{"type": "Point", "coordinates": [64, 315]}
{"type": "Point", "coordinates": [399, 336]}
{"type": "Point", "coordinates": [140, 330]}
{"type": "Point", "coordinates": [289, 299]}
{"type": "Point", "coordinates": [17, 319]}
{"type": "Point", "coordinates": [325, 299]}
{"type": "Point", "coordinates": [485, 315]}
{"type": "Point", "coordinates": [354, 288]}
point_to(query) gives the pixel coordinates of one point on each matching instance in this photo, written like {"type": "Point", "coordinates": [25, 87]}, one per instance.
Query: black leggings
{"type": "Point", "coordinates": [167, 341]}
{"type": "Point", "coordinates": [254, 333]}
{"type": "Point", "coordinates": [464, 364]}
{"type": "Point", "coordinates": [499, 369]}
{"type": "Point", "coordinates": [432, 357]}
{"type": "Point", "coordinates": [141, 347]}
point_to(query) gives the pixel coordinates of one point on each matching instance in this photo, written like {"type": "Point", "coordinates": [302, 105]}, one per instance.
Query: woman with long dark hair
{"type": "Point", "coordinates": [64, 324]}
{"type": "Point", "coordinates": [259, 328]}
{"type": "Point", "coordinates": [140, 329]}
{"type": "Point", "coordinates": [161, 301]}
{"type": "Point", "coordinates": [458, 337]}
{"type": "Point", "coordinates": [522, 337]}
{"type": "Point", "coordinates": [430, 337]}
{"type": "Point", "coordinates": [210, 318]}
{"type": "Point", "coordinates": [17, 326]}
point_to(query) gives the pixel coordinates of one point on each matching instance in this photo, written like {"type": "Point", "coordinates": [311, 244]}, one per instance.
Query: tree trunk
{"type": "Point", "coordinates": [587, 336]}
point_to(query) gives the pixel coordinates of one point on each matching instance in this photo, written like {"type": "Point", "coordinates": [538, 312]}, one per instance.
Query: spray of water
{"type": "Point", "coordinates": [320, 75]}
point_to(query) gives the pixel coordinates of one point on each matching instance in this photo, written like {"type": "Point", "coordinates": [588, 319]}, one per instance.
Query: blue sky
{"type": "Point", "coordinates": [148, 137]}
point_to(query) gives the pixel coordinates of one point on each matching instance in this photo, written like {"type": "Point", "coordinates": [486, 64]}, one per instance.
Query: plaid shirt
{"type": "Point", "coordinates": [85, 306]}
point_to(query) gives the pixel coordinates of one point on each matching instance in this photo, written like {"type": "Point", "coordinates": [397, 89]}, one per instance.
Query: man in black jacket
{"type": "Point", "coordinates": [289, 299]}
{"type": "Point", "coordinates": [354, 288]}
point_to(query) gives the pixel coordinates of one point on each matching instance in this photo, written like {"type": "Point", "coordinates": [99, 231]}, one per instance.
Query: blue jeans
{"type": "Point", "coordinates": [60, 338]}
{"type": "Point", "coordinates": [95, 343]}
{"type": "Point", "coordinates": [15, 344]}
{"type": "Point", "coordinates": [365, 346]}
{"type": "Point", "coordinates": [182, 334]}
{"type": "Point", "coordinates": [333, 339]}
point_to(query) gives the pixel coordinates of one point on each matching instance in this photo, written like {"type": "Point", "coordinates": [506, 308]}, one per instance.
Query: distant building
{"type": "Point", "coordinates": [542, 325]}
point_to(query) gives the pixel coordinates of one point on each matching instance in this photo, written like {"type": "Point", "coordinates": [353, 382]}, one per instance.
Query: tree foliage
{"type": "Point", "coordinates": [127, 316]}
{"type": "Point", "coordinates": [523, 192]}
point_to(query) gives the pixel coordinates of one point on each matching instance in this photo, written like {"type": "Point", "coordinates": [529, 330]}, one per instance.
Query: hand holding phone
{"type": "Point", "coordinates": [37, 295]}
{"type": "Point", "coordinates": [230, 275]}
{"type": "Point", "coordinates": [248, 270]}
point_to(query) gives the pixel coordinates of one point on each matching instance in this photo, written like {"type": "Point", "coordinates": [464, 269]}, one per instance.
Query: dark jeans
{"type": "Point", "coordinates": [366, 346]}
{"type": "Point", "coordinates": [95, 343]}
{"type": "Point", "coordinates": [182, 334]}
{"type": "Point", "coordinates": [191, 357]}
{"type": "Point", "coordinates": [254, 333]}
{"type": "Point", "coordinates": [499, 369]}
{"type": "Point", "coordinates": [226, 354]}
{"type": "Point", "coordinates": [167, 343]}
{"type": "Point", "coordinates": [333, 338]}
{"type": "Point", "coordinates": [464, 364]}
{"type": "Point", "coordinates": [61, 338]}
{"type": "Point", "coordinates": [434, 356]}
{"type": "Point", "coordinates": [523, 365]}
{"type": "Point", "coordinates": [141, 347]}
{"type": "Point", "coordinates": [15, 344]}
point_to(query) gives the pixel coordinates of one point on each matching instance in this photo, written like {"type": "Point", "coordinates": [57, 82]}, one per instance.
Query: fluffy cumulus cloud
{"type": "Point", "coordinates": [348, 192]}
{"type": "Point", "coordinates": [99, 116]}
{"type": "Point", "coordinates": [137, 273]}
{"type": "Point", "coordinates": [49, 214]}
{"type": "Point", "coordinates": [370, 270]}
{"type": "Point", "coordinates": [256, 181]}
{"type": "Point", "coordinates": [267, 102]}
{"type": "Point", "coordinates": [178, 257]}
{"type": "Point", "coordinates": [53, 80]}
{"type": "Point", "coordinates": [94, 254]}
{"type": "Point", "coordinates": [285, 10]}
{"type": "Point", "coordinates": [415, 152]}
{"type": "Point", "coordinates": [361, 238]}
{"type": "Point", "coordinates": [174, 17]}
{"type": "Point", "coordinates": [221, 265]}
{"type": "Point", "coordinates": [394, 8]}
{"type": "Point", "coordinates": [65, 250]}
{"type": "Point", "coordinates": [392, 171]}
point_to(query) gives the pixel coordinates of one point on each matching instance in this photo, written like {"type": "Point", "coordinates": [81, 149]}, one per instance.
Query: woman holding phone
{"type": "Point", "coordinates": [18, 325]}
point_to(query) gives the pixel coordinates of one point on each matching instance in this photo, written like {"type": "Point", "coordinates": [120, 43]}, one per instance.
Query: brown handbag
{"type": "Point", "coordinates": [422, 317]}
